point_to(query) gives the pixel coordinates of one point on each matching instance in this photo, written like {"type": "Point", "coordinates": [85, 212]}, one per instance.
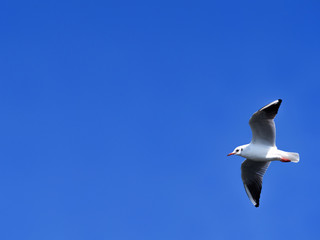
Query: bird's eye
{"type": "Point", "coordinates": [237, 150]}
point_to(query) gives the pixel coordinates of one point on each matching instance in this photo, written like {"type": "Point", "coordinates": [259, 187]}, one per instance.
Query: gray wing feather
{"type": "Point", "coordinates": [252, 173]}
{"type": "Point", "coordinates": [262, 124]}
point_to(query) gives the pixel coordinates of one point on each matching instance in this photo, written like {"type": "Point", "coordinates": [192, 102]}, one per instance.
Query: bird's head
{"type": "Point", "coordinates": [237, 151]}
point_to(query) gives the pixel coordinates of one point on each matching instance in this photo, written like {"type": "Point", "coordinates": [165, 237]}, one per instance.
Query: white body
{"type": "Point", "coordinates": [261, 153]}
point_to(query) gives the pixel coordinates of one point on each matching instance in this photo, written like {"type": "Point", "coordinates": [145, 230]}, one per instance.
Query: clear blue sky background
{"type": "Point", "coordinates": [116, 118]}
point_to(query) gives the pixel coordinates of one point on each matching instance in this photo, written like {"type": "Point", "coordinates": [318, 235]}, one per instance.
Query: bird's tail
{"type": "Point", "coordinates": [292, 156]}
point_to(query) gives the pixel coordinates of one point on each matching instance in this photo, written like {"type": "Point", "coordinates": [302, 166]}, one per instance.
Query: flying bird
{"type": "Point", "coordinates": [261, 150]}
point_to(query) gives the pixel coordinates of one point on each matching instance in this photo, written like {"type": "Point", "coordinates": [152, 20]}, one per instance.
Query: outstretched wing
{"type": "Point", "coordinates": [252, 173]}
{"type": "Point", "coordinates": [262, 124]}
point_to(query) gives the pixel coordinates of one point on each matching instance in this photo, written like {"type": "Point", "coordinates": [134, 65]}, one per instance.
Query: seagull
{"type": "Point", "coordinates": [261, 150]}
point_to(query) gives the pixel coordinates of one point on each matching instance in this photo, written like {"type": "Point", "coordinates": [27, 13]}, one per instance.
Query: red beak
{"type": "Point", "coordinates": [230, 154]}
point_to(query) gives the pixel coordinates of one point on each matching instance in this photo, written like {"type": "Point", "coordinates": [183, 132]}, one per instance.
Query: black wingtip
{"type": "Point", "coordinates": [257, 205]}
{"type": "Point", "coordinates": [279, 102]}
{"type": "Point", "coordinates": [272, 108]}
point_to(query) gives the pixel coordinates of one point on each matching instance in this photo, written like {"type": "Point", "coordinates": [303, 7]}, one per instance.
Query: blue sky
{"type": "Point", "coordinates": [116, 118]}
